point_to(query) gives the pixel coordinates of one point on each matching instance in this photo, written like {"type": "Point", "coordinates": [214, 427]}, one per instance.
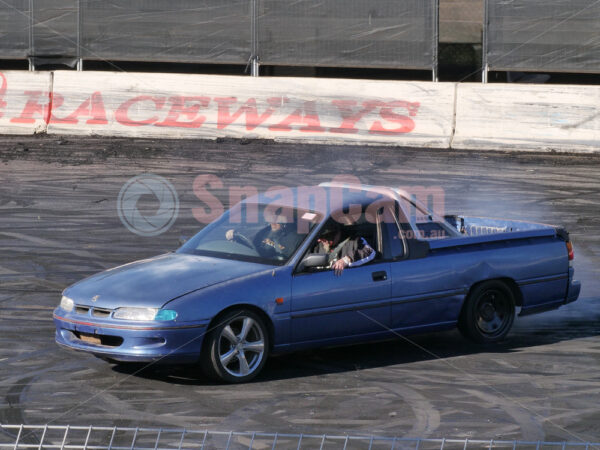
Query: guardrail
{"type": "Point", "coordinates": [40, 437]}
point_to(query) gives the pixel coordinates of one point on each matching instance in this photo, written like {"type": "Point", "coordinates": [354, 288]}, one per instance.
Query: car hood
{"type": "Point", "coordinates": [153, 282]}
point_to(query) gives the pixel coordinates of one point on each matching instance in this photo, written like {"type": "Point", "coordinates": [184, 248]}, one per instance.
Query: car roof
{"type": "Point", "coordinates": [317, 198]}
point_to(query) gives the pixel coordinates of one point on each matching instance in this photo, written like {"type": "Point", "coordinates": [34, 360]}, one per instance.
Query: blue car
{"type": "Point", "coordinates": [268, 277]}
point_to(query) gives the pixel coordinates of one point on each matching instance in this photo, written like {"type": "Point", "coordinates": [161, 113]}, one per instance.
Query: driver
{"type": "Point", "coordinates": [277, 238]}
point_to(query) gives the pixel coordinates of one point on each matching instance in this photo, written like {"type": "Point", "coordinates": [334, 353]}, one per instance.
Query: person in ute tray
{"type": "Point", "coordinates": [349, 252]}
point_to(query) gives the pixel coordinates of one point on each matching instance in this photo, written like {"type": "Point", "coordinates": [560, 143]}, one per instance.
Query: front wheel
{"type": "Point", "coordinates": [488, 313]}
{"type": "Point", "coordinates": [237, 348]}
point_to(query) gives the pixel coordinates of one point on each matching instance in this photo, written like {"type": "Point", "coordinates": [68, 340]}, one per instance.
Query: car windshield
{"type": "Point", "coordinates": [263, 233]}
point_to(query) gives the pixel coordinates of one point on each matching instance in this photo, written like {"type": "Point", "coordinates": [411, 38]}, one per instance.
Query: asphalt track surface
{"type": "Point", "coordinates": [58, 224]}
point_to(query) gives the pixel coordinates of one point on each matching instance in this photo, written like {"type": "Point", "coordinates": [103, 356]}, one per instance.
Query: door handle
{"type": "Point", "coordinates": [379, 276]}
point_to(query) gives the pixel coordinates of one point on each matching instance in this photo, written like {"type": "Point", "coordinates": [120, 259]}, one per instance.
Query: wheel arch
{"type": "Point", "coordinates": [469, 319]}
{"type": "Point", "coordinates": [253, 308]}
{"type": "Point", "coordinates": [510, 284]}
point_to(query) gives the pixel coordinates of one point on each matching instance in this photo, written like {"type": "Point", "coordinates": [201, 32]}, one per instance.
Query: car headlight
{"type": "Point", "coordinates": [135, 313]}
{"type": "Point", "coordinates": [147, 314]}
{"type": "Point", "coordinates": [67, 304]}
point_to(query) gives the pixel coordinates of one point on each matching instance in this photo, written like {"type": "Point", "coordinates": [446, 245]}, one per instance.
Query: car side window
{"type": "Point", "coordinates": [394, 240]}
{"type": "Point", "coordinates": [423, 223]}
{"type": "Point", "coordinates": [360, 237]}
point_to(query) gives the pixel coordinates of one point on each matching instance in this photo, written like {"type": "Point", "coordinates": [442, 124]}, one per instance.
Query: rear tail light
{"type": "Point", "coordinates": [570, 250]}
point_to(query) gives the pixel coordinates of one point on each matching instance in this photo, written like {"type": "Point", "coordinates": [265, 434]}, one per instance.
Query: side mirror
{"type": "Point", "coordinates": [315, 260]}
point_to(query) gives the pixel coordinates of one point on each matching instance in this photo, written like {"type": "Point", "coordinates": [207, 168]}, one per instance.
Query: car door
{"type": "Point", "coordinates": [427, 289]}
{"type": "Point", "coordinates": [330, 308]}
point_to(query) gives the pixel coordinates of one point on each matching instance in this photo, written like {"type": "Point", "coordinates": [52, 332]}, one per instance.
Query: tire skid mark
{"type": "Point", "coordinates": [14, 414]}
{"type": "Point", "coordinates": [427, 417]}
{"type": "Point", "coordinates": [51, 196]}
{"type": "Point", "coordinates": [531, 428]}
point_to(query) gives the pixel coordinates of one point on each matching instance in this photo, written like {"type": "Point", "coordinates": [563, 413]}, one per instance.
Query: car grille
{"type": "Point", "coordinates": [80, 309]}
{"type": "Point", "coordinates": [96, 312]}
{"type": "Point", "coordinates": [101, 312]}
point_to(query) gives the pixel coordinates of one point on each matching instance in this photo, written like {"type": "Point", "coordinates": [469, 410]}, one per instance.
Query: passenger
{"type": "Point", "coordinates": [350, 252]}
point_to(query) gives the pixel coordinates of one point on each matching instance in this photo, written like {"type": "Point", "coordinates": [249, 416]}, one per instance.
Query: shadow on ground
{"type": "Point", "coordinates": [402, 351]}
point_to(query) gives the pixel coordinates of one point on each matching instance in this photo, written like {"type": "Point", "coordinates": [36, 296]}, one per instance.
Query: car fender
{"type": "Point", "coordinates": [269, 291]}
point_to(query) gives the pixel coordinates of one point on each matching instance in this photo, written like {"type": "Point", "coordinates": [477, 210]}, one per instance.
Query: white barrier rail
{"type": "Point", "coordinates": [286, 109]}
{"type": "Point", "coordinates": [334, 111]}
{"type": "Point", "coordinates": [16, 437]}
{"type": "Point", "coordinates": [528, 117]}
{"type": "Point", "coordinates": [25, 102]}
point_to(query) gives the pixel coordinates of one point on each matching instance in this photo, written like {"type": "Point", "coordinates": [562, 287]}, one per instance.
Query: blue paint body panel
{"type": "Point", "coordinates": [421, 291]}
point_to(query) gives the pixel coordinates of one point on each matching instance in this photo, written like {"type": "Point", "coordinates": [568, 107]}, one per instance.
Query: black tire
{"type": "Point", "coordinates": [225, 350]}
{"type": "Point", "coordinates": [488, 313]}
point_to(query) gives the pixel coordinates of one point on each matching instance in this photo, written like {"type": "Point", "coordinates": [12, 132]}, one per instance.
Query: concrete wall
{"type": "Point", "coordinates": [24, 102]}
{"type": "Point", "coordinates": [396, 113]}
{"type": "Point", "coordinates": [527, 117]}
{"type": "Point", "coordinates": [292, 109]}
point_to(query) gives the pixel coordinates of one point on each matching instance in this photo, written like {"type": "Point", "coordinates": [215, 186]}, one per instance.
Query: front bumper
{"type": "Point", "coordinates": [165, 344]}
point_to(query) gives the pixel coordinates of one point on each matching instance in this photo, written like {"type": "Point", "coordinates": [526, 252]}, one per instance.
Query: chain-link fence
{"type": "Point", "coordinates": [16, 18]}
{"type": "Point", "coordinates": [541, 36]}
{"type": "Point", "coordinates": [40, 437]}
{"type": "Point", "coordinates": [338, 33]}
{"type": "Point", "coordinates": [459, 38]}
{"type": "Point", "coordinates": [461, 21]}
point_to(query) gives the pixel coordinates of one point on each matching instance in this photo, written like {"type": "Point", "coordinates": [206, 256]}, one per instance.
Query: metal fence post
{"type": "Point", "coordinates": [484, 45]}
{"type": "Point", "coordinates": [157, 439]}
{"type": "Point", "coordinates": [43, 436]}
{"type": "Point", "coordinates": [254, 66]}
{"type": "Point", "coordinates": [274, 441]}
{"type": "Point", "coordinates": [79, 18]}
{"type": "Point", "coordinates": [18, 437]}
{"type": "Point", "coordinates": [134, 438]}
{"type": "Point", "coordinates": [299, 442]}
{"type": "Point", "coordinates": [30, 57]}
{"type": "Point", "coordinates": [203, 439]}
{"type": "Point", "coordinates": [64, 441]}
{"type": "Point", "coordinates": [229, 440]}
{"type": "Point", "coordinates": [436, 38]}
{"type": "Point", "coordinates": [87, 438]}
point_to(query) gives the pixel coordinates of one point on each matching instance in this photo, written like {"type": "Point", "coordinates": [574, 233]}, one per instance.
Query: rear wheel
{"type": "Point", "coordinates": [237, 348]}
{"type": "Point", "coordinates": [488, 313]}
